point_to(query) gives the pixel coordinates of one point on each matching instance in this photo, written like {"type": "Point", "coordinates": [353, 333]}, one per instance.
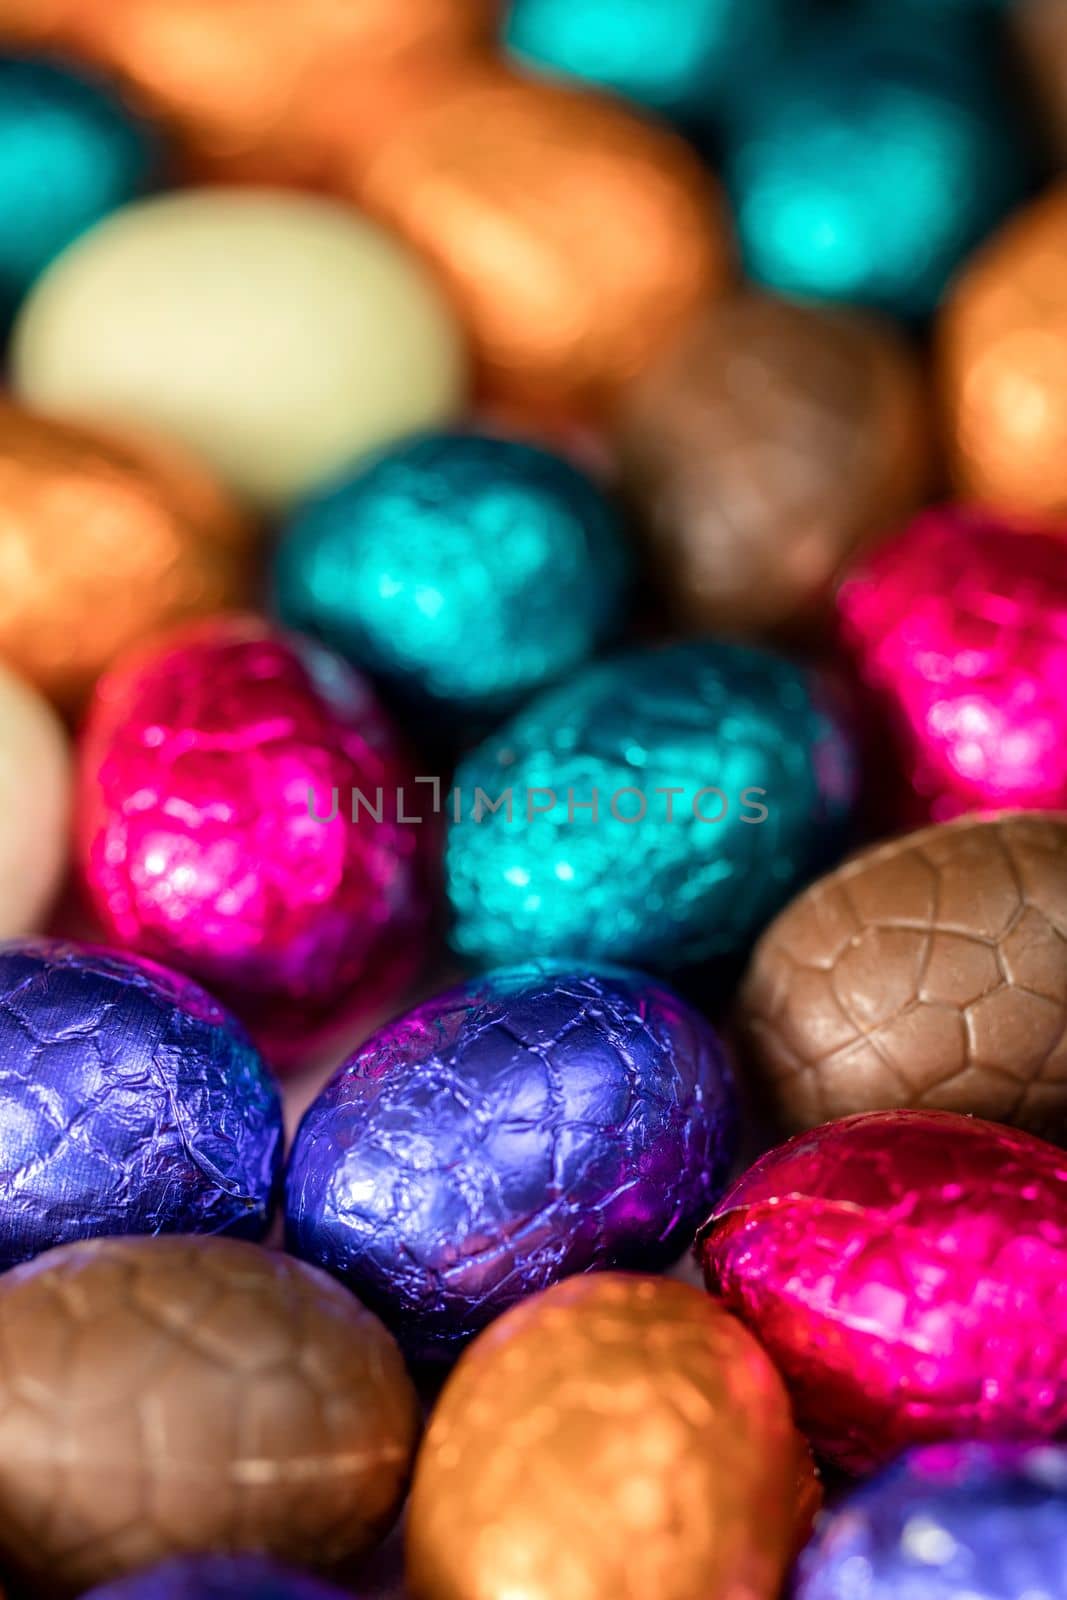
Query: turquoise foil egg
{"type": "Point", "coordinates": [721, 781]}
{"type": "Point", "coordinates": [463, 571]}
{"type": "Point", "coordinates": [70, 153]}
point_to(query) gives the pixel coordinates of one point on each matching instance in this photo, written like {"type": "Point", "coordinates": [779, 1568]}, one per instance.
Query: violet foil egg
{"type": "Point", "coordinates": [965, 1521]}
{"type": "Point", "coordinates": [959, 625]}
{"type": "Point", "coordinates": [218, 1577]}
{"type": "Point", "coordinates": [907, 1273]}
{"type": "Point", "coordinates": [241, 797]}
{"type": "Point", "coordinates": [130, 1102]}
{"type": "Point", "coordinates": [539, 1121]}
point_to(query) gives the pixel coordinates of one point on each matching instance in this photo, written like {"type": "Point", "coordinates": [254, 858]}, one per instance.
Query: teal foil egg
{"type": "Point", "coordinates": [721, 781]}
{"type": "Point", "coordinates": [870, 164]}
{"type": "Point", "coordinates": [463, 571]}
{"type": "Point", "coordinates": [69, 153]}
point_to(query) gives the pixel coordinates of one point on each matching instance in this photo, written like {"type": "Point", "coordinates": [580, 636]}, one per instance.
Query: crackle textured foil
{"type": "Point", "coordinates": [463, 570]}
{"type": "Point", "coordinates": [905, 1272]}
{"type": "Point", "coordinates": [616, 1438]}
{"type": "Point", "coordinates": [218, 1577]}
{"type": "Point", "coordinates": [537, 1122]}
{"type": "Point", "coordinates": [689, 878]}
{"type": "Point", "coordinates": [964, 1521]}
{"type": "Point", "coordinates": [129, 1103]}
{"type": "Point", "coordinates": [218, 829]}
{"type": "Point", "coordinates": [959, 625]}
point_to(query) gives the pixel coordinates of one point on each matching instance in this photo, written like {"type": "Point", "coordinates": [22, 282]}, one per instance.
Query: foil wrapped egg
{"type": "Point", "coordinates": [659, 808]}
{"type": "Point", "coordinates": [614, 1438]}
{"type": "Point", "coordinates": [535, 1123]}
{"type": "Point", "coordinates": [215, 1577]}
{"type": "Point", "coordinates": [278, 335]}
{"type": "Point", "coordinates": [564, 301]}
{"type": "Point", "coordinates": [1003, 350]}
{"type": "Point", "coordinates": [769, 444]}
{"type": "Point", "coordinates": [180, 1395]}
{"type": "Point", "coordinates": [462, 570]}
{"type": "Point", "coordinates": [959, 628]}
{"type": "Point", "coordinates": [35, 785]}
{"type": "Point", "coordinates": [130, 1102]}
{"type": "Point", "coordinates": [241, 796]}
{"type": "Point", "coordinates": [157, 541]}
{"type": "Point", "coordinates": [929, 971]}
{"type": "Point", "coordinates": [904, 1271]}
{"type": "Point", "coordinates": [962, 1521]}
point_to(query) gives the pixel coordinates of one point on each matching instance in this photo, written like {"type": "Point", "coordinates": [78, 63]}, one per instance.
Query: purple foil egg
{"type": "Point", "coordinates": [218, 1577]}
{"type": "Point", "coordinates": [537, 1122]}
{"type": "Point", "coordinates": [130, 1102]}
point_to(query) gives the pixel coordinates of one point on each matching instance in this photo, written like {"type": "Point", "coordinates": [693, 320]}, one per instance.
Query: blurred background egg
{"type": "Point", "coordinates": [35, 804]}
{"type": "Point", "coordinates": [218, 1577]}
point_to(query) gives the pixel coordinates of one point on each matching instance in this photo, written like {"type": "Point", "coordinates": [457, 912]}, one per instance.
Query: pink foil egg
{"type": "Point", "coordinates": [959, 625]}
{"type": "Point", "coordinates": [907, 1273]}
{"type": "Point", "coordinates": [217, 831]}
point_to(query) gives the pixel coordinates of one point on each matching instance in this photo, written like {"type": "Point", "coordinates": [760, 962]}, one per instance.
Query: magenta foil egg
{"type": "Point", "coordinates": [907, 1273]}
{"type": "Point", "coordinates": [959, 626]}
{"type": "Point", "coordinates": [241, 818]}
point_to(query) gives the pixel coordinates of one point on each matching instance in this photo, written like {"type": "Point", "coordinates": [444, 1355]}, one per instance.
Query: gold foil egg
{"type": "Point", "coordinates": [575, 237]}
{"type": "Point", "coordinates": [104, 541]}
{"type": "Point", "coordinates": [1003, 340]}
{"type": "Point", "coordinates": [766, 446]}
{"type": "Point", "coordinates": [614, 1438]}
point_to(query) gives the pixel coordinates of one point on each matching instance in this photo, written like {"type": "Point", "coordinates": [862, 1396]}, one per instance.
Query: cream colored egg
{"type": "Point", "coordinates": [34, 806]}
{"type": "Point", "coordinates": [280, 335]}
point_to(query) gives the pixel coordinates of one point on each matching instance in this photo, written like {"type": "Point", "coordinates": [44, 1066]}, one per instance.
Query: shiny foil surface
{"type": "Point", "coordinates": [615, 1438]}
{"type": "Point", "coordinates": [763, 449]}
{"type": "Point", "coordinates": [129, 1103]}
{"type": "Point", "coordinates": [680, 750]}
{"type": "Point", "coordinates": [161, 1396]}
{"type": "Point", "coordinates": [564, 300]}
{"type": "Point", "coordinates": [218, 829]}
{"type": "Point", "coordinates": [904, 1270]}
{"type": "Point", "coordinates": [535, 1123]}
{"type": "Point", "coordinates": [157, 541]}
{"type": "Point", "coordinates": [929, 971]}
{"type": "Point", "coordinates": [1003, 348]}
{"type": "Point", "coordinates": [959, 627]}
{"type": "Point", "coordinates": [947, 1522]}
{"type": "Point", "coordinates": [214, 1577]}
{"type": "Point", "coordinates": [463, 570]}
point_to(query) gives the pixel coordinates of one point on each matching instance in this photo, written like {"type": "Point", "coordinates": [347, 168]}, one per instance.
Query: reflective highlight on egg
{"type": "Point", "coordinates": [613, 1438]}
{"type": "Point", "coordinates": [904, 1271]}
{"type": "Point", "coordinates": [35, 786]}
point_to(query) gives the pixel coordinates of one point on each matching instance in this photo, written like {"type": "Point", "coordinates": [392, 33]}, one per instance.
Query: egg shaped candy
{"type": "Point", "coordinates": [35, 784]}
{"type": "Point", "coordinates": [129, 1103]}
{"type": "Point", "coordinates": [658, 808]}
{"type": "Point", "coordinates": [904, 1271]}
{"type": "Point", "coordinates": [192, 1394]}
{"type": "Point", "coordinates": [215, 1577]}
{"type": "Point", "coordinates": [279, 335]}
{"type": "Point", "coordinates": [241, 795]}
{"type": "Point", "coordinates": [619, 1404]}
{"type": "Point", "coordinates": [959, 626]}
{"type": "Point", "coordinates": [463, 570]}
{"type": "Point", "coordinates": [535, 1123]}
{"type": "Point", "coordinates": [948, 1522]}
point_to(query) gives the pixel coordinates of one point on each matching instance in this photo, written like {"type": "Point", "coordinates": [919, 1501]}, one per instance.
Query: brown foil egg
{"type": "Point", "coordinates": [162, 1395]}
{"type": "Point", "coordinates": [930, 971]}
{"type": "Point", "coordinates": [575, 237]}
{"type": "Point", "coordinates": [1041, 31]}
{"type": "Point", "coordinates": [1003, 342]}
{"type": "Point", "coordinates": [615, 1438]}
{"type": "Point", "coordinates": [763, 449]}
{"type": "Point", "coordinates": [103, 542]}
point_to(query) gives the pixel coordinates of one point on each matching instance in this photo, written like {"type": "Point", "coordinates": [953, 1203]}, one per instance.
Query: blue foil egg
{"type": "Point", "coordinates": [870, 163]}
{"type": "Point", "coordinates": [130, 1102]}
{"type": "Point", "coordinates": [70, 152]}
{"type": "Point", "coordinates": [218, 1577]}
{"type": "Point", "coordinates": [657, 809]}
{"type": "Point", "coordinates": [537, 1122]}
{"type": "Point", "coordinates": [464, 571]}
{"type": "Point", "coordinates": [947, 1522]}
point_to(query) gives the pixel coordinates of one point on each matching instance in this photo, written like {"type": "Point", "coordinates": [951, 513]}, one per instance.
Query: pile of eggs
{"type": "Point", "coordinates": [533, 761]}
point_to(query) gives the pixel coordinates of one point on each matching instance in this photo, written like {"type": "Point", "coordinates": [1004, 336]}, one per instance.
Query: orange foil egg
{"type": "Point", "coordinates": [575, 237]}
{"type": "Point", "coordinates": [1003, 340]}
{"type": "Point", "coordinates": [103, 542]}
{"type": "Point", "coordinates": [615, 1438]}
